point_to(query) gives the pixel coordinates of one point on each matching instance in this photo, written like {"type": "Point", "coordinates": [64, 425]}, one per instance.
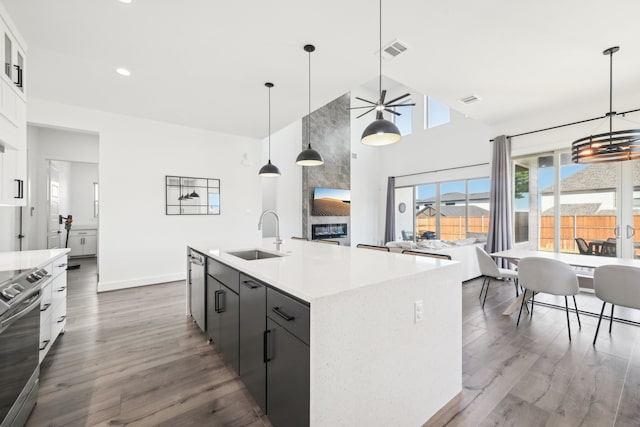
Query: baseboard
{"type": "Point", "coordinates": [141, 281]}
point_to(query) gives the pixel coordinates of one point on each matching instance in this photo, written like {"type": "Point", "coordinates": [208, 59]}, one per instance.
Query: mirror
{"type": "Point", "coordinates": [192, 196]}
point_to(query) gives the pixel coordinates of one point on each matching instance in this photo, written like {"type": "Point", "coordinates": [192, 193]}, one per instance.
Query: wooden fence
{"type": "Point", "coordinates": [594, 227]}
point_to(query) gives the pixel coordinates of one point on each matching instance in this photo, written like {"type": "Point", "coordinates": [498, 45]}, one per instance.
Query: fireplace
{"type": "Point", "coordinates": [328, 231]}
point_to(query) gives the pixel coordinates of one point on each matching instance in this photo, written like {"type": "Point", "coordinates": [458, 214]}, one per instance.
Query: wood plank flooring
{"type": "Point", "coordinates": [132, 358]}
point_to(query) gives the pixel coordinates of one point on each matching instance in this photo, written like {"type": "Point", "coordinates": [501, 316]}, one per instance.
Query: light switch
{"type": "Point", "coordinates": [418, 311]}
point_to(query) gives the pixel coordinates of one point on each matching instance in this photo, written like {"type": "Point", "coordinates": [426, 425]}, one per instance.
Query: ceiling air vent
{"type": "Point", "coordinates": [393, 49]}
{"type": "Point", "coordinates": [469, 99]}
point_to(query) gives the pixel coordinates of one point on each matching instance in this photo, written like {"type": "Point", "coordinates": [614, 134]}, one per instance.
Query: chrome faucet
{"type": "Point", "coordinates": [278, 241]}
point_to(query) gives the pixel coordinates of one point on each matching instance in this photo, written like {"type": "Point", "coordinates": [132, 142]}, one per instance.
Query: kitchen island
{"type": "Point", "coordinates": [380, 332]}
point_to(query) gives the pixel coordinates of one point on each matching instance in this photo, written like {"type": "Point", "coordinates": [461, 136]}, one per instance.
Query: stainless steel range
{"type": "Point", "coordinates": [20, 297]}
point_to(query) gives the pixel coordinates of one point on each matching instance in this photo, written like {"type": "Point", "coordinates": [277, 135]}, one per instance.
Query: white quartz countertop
{"type": "Point", "coordinates": [28, 259]}
{"type": "Point", "coordinates": [311, 270]}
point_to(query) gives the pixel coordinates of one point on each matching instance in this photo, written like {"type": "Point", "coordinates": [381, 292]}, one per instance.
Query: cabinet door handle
{"type": "Point", "coordinates": [61, 265]}
{"type": "Point", "coordinates": [222, 302]}
{"type": "Point", "coordinates": [44, 344]}
{"type": "Point", "coordinates": [61, 319]}
{"type": "Point", "coordinates": [45, 307]}
{"type": "Point", "coordinates": [265, 346]}
{"type": "Point", "coordinates": [61, 289]}
{"type": "Point", "coordinates": [282, 314]}
{"type": "Point", "coordinates": [20, 189]}
{"type": "Point", "coordinates": [250, 284]}
{"type": "Point", "coordinates": [216, 298]}
{"type": "Point", "coordinates": [19, 72]}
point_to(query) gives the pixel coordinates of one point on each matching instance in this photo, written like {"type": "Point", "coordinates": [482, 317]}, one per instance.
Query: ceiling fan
{"type": "Point", "coordinates": [381, 106]}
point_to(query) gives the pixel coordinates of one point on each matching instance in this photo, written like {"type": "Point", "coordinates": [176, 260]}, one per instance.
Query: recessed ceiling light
{"type": "Point", "coordinates": [123, 72]}
{"type": "Point", "coordinates": [126, 1]}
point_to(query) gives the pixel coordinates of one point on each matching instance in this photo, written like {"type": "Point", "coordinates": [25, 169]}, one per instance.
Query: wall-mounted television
{"type": "Point", "coordinates": [331, 202]}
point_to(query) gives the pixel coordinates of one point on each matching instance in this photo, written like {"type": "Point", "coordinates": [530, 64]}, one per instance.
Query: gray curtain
{"type": "Point", "coordinates": [500, 224]}
{"type": "Point", "coordinates": [390, 222]}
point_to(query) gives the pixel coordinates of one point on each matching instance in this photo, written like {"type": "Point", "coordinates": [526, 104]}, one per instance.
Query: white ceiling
{"type": "Point", "coordinates": [203, 63]}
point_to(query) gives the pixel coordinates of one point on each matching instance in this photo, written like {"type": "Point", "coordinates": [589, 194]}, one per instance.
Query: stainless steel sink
{"type": "Point", "coordinates": [254, 254]}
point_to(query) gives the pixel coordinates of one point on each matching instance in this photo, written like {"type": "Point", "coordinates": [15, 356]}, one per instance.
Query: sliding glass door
{"type": "Point", "coordinates": [577, 208]}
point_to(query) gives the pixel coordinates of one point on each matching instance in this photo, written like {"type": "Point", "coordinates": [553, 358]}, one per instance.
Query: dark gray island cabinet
{"type": "Point", "coordinates": [325, 335]}
{"type": "Point", "coordinates": [263, 335]}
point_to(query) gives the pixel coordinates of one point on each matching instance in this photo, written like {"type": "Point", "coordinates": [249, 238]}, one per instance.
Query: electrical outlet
{"type": "Point", "coordinates": [418, 311]}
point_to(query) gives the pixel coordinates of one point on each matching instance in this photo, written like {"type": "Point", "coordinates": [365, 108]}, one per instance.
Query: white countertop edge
{"type": "Point", "coordinates": [273, 271]}
{"type": "Point", "coordinates": [23, 260]}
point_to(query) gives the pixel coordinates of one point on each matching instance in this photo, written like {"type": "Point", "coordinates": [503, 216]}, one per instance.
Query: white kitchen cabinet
{"type": "Point", "coordinates": [13, 117]}
{"type": "Point", "coordinates": [53, 308]}
{"type": "Point", "coordinates": [83, 243]}
{"type": "Point", "coordinates": [13, 170]}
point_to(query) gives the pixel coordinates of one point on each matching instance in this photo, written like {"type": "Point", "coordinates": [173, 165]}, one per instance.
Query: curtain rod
{"type": "Point", "coordinates": [570, 124]}
{"type": "Point", "coordinates": [441, 170]}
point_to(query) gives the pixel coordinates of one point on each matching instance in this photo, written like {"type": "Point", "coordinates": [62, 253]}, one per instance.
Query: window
{"type": "Point", "coordinates": [95, 199]}
{"type": "Point", "coordinates": [436, 113]}
{"type": "Point", "coordinates": [404, 122]}
{"type": "Point", "coordinates": [521, 204]}
{"type": "Point", "coordinates": [449, 210]}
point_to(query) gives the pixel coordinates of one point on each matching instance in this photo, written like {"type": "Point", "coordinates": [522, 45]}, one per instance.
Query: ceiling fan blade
{"type": "Point", "coordinates": [364, 100]}
{"type": "Point", "coordinates": [398, 98]}
{"type": "Point", "coordinates": [366, 112]}
{"type": "Point", "coordinates": [367, 106]}
{"type": "Point", "coordinates": [402, 105]}
{"type": "Point", "coordinates": [383, 94]}
{"type": "Point", "coordinates": [392, 112]}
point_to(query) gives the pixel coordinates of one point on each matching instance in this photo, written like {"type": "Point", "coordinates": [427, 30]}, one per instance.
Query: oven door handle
{"type": "Point", "coordinates": [5, 323]}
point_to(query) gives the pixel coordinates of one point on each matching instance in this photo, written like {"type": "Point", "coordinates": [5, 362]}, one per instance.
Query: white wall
{"type": "Point", "coordinates": [83, 175]}
{"type": "Point", "coordinates": [138, 243]}
{"type": "Point", "coordinates": [284, 193]}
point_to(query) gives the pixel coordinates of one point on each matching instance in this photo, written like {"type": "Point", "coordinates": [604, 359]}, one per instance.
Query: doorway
{"type": "Point", "coordinates": [62, 206]}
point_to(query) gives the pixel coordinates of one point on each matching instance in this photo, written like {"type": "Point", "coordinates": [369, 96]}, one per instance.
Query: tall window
{"type": "Point", "coordinates": [436, 113]}
{"type": "Point", "coordinates": [404, 121]}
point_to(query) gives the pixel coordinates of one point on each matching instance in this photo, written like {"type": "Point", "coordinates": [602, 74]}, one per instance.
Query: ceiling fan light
{"type": "Point", "coordinates": [269, 170]}
{"type": "Point", "coordinates": [309, 157]}
{"type": "Point", "coordinates": [380, 132]}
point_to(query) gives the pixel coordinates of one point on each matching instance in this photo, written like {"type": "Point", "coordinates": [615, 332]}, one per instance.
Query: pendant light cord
{"type": "Point", "coordinates": [269, 124]}
{"type": "Point", "coordinates": [380, 54]}
{"type": "Point", "coordinates": [610, 94]}
{"type": "Point", "coordinates": [309, 116]}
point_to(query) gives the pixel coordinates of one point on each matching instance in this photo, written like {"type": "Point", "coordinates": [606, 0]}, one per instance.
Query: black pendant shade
{"type": "Point", "coordinates": [194, 194]}
{"type": "Point", "coordinates": [269, 170]}
{"type": "Point", "coordinates": [309, 156]}
{"type": "Point", "coordinates": [380, 132]}
{"type": "Point", "coordinates": [611, 146]}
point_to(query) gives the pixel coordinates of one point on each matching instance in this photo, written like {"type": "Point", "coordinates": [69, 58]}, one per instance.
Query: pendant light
{"type": "Point", "coordinates": [611, 146]}
{"type": "Point", "coordinates": [269, 170]}
{"type": "Point", "coordinates": [381, 131]}
{"type": "Point", "coordinates": [309, 156]}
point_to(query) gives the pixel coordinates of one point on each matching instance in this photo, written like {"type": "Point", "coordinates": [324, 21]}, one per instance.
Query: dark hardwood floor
{"type": "Point", "coordinates": [132, 358]}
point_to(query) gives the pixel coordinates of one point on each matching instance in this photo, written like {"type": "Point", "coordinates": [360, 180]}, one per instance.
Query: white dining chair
{"type": "Point", "coordinates": [617, 285]}
{"type": "Point", "coordinates": [490, 270]}
{"type": "Point", "coordinates": [548, 276]}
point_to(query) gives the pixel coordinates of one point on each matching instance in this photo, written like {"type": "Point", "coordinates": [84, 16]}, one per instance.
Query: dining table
{"type": "Point", "coordinates": [582, 264]}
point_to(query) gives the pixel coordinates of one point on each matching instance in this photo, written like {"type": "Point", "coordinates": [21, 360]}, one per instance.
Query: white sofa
{"type": "Point", "coordinates": [463, 251]}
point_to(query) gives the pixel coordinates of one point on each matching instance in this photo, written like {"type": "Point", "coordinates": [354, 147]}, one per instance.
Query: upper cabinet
{"type": "Point", "coordinates": [13, 126]}
{"type": "Point", "coordinates": [13, 114]}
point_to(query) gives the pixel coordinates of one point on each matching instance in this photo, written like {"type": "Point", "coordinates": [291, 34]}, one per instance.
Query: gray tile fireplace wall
{"type": "Point", "coordinates": [331, 137]}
